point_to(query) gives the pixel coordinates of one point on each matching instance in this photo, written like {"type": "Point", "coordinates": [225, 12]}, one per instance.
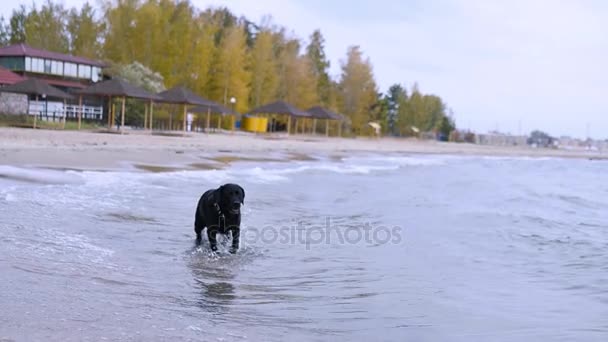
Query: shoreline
{"type": "Point", "coordinates": [89, 150]}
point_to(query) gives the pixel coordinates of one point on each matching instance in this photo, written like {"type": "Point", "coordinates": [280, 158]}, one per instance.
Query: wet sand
{"type": "Point", "coordinates": [162, 152]}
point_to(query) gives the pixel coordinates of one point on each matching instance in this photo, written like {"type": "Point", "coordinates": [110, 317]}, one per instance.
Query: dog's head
{"type": "Point", "coordinates": [230, 197]}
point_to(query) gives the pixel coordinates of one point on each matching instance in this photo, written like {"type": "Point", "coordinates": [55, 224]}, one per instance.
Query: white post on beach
{"type": "Point", "coordinates": [79, 111]}
{"type": "Point", "coordinates": [65, 114]}
{"type": "Point", "coordinates": [122, 119]}
{"type": "Point", "coordinates": [327, 127]}
{"type": "Point", "coordinates": [289, 124]}
{"type": "Point", "coordinates": [233, 114]}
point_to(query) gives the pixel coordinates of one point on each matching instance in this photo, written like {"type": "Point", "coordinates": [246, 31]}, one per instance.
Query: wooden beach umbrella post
{"type": "Point", "coordinates": [151, 114]}
{"type": "Point", "coordinates": [145, 116]}
{"type": "Point", "coordinates": [110, 112]}
{"type": "Point", "coordinates": [122, 119]}
{"type": "Point", "coordinates": [208, 119]}
{"type": "Point", "coordinates": [185, 116]}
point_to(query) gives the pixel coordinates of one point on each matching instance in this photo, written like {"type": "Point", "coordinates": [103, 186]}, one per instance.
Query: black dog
{"type": "Point", "coordinates": [219, 210]}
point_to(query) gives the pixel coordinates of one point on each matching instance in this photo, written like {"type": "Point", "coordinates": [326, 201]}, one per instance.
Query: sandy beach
{"type": "Point", "coordinates": [158, 151]}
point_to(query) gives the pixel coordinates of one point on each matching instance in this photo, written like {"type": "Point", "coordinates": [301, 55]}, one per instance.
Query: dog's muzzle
{"type": "Point", "coordinates": [236, 208]}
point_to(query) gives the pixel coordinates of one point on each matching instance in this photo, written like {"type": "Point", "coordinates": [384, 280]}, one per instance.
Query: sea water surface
{"type": "Point", "coordinates": [388, 247]}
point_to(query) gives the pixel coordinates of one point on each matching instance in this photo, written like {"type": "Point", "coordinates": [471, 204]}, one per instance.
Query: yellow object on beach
{"type": "Point", "coordinates": [255, 124]}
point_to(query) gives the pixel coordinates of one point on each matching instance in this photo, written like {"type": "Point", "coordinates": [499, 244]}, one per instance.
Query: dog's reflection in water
{"type": "Point", "coordinates": [214, 280]}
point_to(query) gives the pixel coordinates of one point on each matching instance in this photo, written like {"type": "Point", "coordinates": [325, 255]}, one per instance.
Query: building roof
{"type": "Point", "coordinates": [319, 112]}
{"type": "Point", "coordinates": [9, 77]}
{"type": "Point", "coordinates": [65, 84]}
{"type": "Point", "coordinates": [25, 50]}
{"type": "Point", "coordinates": [118, 87]}
{"type": "Point", "coordinates": [182, 95]}
{"type": "Point", "coordinates": [214, 108]}
{"type": "Point", "coordinates": [34, 86]}
{"type": "Point", "coordinates": [279, 107]}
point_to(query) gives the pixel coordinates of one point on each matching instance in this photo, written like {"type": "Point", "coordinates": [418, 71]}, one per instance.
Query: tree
{"type": "Point", "coordinates": [297, 84]}
{"type": "Point", "coordinates": [17, 25]}
{"type": "Point", "coordinates": [320, 66]}
{"type": "Point", "coordinates": [204, 51]}
{"type": "Point", "coordinates": [231, 78]}
{"type": "Point", "coordinates": [84, 32]}
{"type": "Point", "coordinates": [46, 29]}
{"type": "Point", "coordinates": [141, 76]}
{"type": "Point", "coordinates": [358, 89]}
{"type": "Point", "coordinates": [445, 128]}
{"type": "Point", "coordinates": [119, 42]}
{"type": "Point", "coordinates": [396, 101]}
{"type": "Point", "coordinates": [264, 81]}
{"type": "Point", "coordinates": [5, 32]}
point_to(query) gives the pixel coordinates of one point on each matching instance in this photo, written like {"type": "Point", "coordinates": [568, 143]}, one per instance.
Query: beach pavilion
{"type": "Point", "coordinates": [282, 108]}
{"type": "Point", "coordinates": [182, 96]}
{"type": "Point", "coordinates": [119, 88]}
{"type": "Point", "coordinates": [321, 113]}
{"type": "Point", "coordinates": [215, 108]}
{"type": "Point", "coordinates": [38, 88]}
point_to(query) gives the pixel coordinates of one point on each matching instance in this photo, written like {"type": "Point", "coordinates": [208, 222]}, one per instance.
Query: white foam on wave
{"type": "Point", "coordinates": [401, 161]}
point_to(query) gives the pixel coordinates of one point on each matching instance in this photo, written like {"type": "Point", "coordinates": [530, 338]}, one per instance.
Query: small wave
{"type": "Point", "coordinates": [40, 176]}
{"type": "Point", "coordinates": [401, 160]}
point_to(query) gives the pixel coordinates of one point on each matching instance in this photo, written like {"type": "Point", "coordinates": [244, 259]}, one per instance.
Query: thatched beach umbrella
{"type": "Point", "coordinates": [214, 108]}
{"type": "Point", "coordinates": [118, 88]}
{"type": "Point", "coordinates": [37, 87]}
{"type": "Point", "coordinates": [321, 113]}
{"type": "Point", "coordinates": [183, 96]}
{"type": "Point", "coordinates": [281, 108]}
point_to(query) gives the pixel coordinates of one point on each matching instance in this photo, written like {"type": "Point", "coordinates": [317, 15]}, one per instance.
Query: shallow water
{"type": "Point", "coordinates": [372, 247]}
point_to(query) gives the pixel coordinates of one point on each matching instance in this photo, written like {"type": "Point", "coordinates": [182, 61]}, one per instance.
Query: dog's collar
{"type": "Point", "coordinates": [219, 211]}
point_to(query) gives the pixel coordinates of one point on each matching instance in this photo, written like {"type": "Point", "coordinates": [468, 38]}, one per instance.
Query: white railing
{"type": "Point", "coordinates": [56, 110]}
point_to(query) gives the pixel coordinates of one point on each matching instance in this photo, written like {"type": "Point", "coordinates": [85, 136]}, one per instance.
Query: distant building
{"type": "Point", "coordinates": [500, 139]}
{"type": "Point", "coordinates": [63, 71]}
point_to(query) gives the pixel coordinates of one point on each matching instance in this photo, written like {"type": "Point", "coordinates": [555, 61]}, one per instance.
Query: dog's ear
{"type": "Point", "coordinates": [243, 192]}
{"type": "Point", "coordinates": [217, 196]}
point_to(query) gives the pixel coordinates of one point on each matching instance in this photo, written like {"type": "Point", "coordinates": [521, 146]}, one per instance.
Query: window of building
{"type": "Point", "coordinates": [96, 74]}
{"type": "Point", "coordinates": [57, 68]}
{"type": "Point", "coordinates": [84, 71]}
{"type": "Point", "coordinates": [71, 70]}
{"type": "Point", "coordinates": [28, 64]}
{"type": "Point", "coordinates": [47, 66]}
{"type": "Point", "coordinates": [38, 65]}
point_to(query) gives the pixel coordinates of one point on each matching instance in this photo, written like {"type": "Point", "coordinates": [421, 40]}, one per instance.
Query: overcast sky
{"type": "Point", "coordinates": [508, 65]}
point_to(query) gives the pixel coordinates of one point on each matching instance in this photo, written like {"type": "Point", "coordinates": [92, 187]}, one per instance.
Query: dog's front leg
{"type": "Point", "coordinates": [236, 235]}
{"type": "Point", "coordinates": [211, 235]}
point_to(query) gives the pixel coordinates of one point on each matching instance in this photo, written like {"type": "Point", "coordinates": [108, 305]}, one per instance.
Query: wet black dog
{"type": "Point", "coordinates": [219, 210]}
